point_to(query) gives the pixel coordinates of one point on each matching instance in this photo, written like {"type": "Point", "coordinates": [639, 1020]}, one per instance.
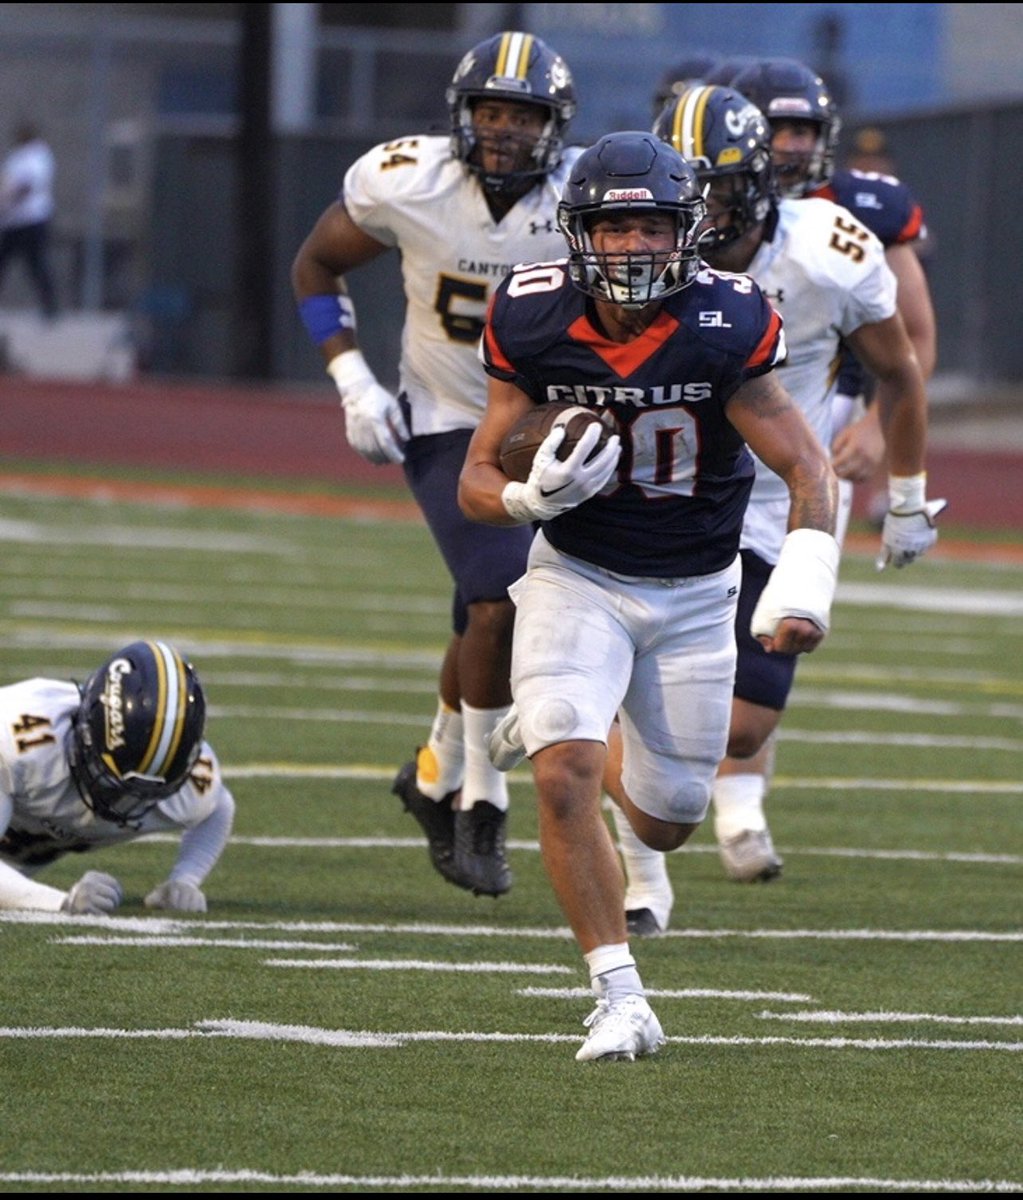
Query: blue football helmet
{"type": "Point", "coordinates": [138, 731]}
{"type": "Point", "coordinates": [786, 89]}
{"type": "Point", "coordinates": [684, 74]}
{"type": "Point", "coordinates": [723, 136]}
{"type": "Point", "coordinates": [624, 172]}
{"type": "Point", "coordinates": [512, 66]}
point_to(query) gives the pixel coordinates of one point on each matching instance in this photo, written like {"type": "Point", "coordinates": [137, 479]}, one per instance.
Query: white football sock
{"type": "Point", "coordinates": [441, 762]}
{"type": "Point", "coordinates": [646, 872]}
{"type": "Point", "coordinates": [613, 972]}
{"type": "Point", "coordinates": [738, 805]}
{"type": "Point", "coordinates": [483, 781]}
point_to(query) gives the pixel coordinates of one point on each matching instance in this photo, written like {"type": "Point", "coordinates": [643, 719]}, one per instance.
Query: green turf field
{"type": "Point", "coordinates": [343, 1020]}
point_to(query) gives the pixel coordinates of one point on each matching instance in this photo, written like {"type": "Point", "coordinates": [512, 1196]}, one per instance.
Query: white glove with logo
{"type": "Point", "coordinates": [909, 528]}
{"type": "Point", "coordinates": [177, 894]}
{"type": "Point", "coordinates": [553, 487]}
{"type": "Point", "coordinates": [374, 424]}
{"type": "Point", "coordinates": [93, 893]}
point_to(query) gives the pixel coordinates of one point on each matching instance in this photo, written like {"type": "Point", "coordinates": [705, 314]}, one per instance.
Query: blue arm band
{"type": "Point", "coordinates": [323, 316]}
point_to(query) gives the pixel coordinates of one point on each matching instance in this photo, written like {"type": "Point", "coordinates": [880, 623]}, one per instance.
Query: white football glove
{"type": "Point", "coordinates": [177, 894]}
{"type": "Point", "coordinates": [553, 487]}
{"type": "Point", "coordinates": [93, 893]}
{"type": "Point", "coordinates": [909, 528]}
{"type": "Point", "coordinates": [374, 424]}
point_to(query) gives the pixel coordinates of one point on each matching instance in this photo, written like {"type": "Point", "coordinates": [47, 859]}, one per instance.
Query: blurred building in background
{"type": "Point", "coordinates": [196, 144]}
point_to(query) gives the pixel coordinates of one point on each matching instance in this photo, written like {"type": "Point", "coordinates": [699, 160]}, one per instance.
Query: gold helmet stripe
{"type": "Point", "coordinates": [171, 706]}
{"type": "Point", "coordinates": [687, 125]}
{"type": "Point", "coordinates": [513, 55]}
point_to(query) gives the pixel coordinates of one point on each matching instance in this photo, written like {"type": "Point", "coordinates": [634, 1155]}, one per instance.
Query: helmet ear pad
{"type": "Point", "coordinates": [137, 732]}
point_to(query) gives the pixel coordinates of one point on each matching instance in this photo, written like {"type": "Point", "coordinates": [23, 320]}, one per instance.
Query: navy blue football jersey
{"type": "Point", "coordinates": [881, 202]}
{"type": "Point", "coordinates": [676, 504]}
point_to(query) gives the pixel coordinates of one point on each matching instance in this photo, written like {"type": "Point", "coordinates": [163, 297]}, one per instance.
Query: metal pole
{"type": "Point", "coordinates": [99, 92]}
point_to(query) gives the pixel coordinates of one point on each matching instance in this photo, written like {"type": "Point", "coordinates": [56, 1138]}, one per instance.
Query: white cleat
{"type": "Point", "coordinates": [750, 856]}
{"type": "Point", "coordinates": [621, 1031]}
{"type": "Point", "coordinates": [505, 743]}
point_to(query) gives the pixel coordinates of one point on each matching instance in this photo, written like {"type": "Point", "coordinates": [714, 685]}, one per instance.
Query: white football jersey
{"type": "Point", "coordinates": [411, 194]}
{"type": "Point", "coordinates": [47, 816]}
{"type": "Point", "coordinates": [826, 275]}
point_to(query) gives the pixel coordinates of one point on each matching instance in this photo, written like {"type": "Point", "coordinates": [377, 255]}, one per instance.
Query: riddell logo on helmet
{"type": "Point", "coordinates": [621, 194]}
{"type": "Point", "coordinates": [113, 703]}
{"type": "Point", "coordinates": [789, 104]}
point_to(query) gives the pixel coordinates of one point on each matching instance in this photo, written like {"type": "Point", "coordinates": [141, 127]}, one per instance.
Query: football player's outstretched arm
{"type": "Point", "coordinates": [913, 299]}
{"type": "Point", "coordinates": [886, 350]}
{"type": "Point", "coordinates": [858, 449]}
{"type": "Point", "coordinates": [374, 424]}
{"type": "Point", "coordinates": [201, 848]}
{"type": "Point", "coordinates": [793, 613]}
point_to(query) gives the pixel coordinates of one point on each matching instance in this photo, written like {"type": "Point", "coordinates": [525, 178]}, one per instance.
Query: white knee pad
{"type": "Point", "coordinates": [558, 719]}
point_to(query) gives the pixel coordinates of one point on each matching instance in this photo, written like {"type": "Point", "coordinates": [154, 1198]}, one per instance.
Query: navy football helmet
{"type": "Point", "coordinates": [684, 74]}
{"type": "Point", "coordinates": [786, 89]}
{"type": "Point", "coordinates": [138, 731]}
{"type": "Point", "coordinates": [725, 70]}
{"type": "Point", "coordinates": [512, 66]}
{"type": "Point", "coordinates": [631, 171]}
{"type": "Point", "coordinates": [723, 136]}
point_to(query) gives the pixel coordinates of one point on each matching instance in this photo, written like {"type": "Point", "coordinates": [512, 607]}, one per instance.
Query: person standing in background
{"type": "Point", "coordinates": [26, 211]}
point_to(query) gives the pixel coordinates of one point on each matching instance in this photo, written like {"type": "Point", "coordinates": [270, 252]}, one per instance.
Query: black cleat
{"type": "Point", "coordinates": [641, 922]}
{"type": "Point", "coordinates": [435, 818]}
{"type": "Point", "coordinates": [480, 860]}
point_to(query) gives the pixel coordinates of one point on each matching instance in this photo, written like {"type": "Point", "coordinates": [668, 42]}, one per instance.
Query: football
{"type": "Point", "coordinates": [521, 441]}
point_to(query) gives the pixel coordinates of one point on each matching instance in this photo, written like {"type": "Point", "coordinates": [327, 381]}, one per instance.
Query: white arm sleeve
{"type": "Point", "coordinates": [18, 891]}
{"type": "Point", "coordinates": [203, 844]}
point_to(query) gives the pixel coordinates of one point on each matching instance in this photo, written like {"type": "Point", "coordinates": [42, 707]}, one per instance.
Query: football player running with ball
{"type": "Point", "coordinates": [460, 210]}
{"type": "Point", "coordinates": [628, 602]}
{"type": "Point", "coordinates": [88, 767]}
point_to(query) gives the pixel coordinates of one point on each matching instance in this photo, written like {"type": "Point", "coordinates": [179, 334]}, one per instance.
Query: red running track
{"type": "Point", "coordinates": [296, 432]}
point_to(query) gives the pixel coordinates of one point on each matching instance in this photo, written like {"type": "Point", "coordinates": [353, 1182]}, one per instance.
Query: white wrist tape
{"type": "Point", "coordinates": [350, 370]}
{"type": "Point", "coordinates": [802, 583]}
{"type": "Point", "coordinates": [906, 493]}
{"type": "Point", "coordinates": [516, 505]}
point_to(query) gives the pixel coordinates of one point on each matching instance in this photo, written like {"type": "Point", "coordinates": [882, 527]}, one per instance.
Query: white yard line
{"type": "Point", "coordinates": [377, 1039]}
{"type": "Point", "coordinates": [309, 1180]}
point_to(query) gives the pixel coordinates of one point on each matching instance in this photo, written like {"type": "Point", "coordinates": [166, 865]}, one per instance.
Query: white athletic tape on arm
{"type": "Point", "coordinates": [802, 583]}
{"type": "Point", "coordinates": [907, 493]}
{"type": "Point", "coordinates": [350, 370]}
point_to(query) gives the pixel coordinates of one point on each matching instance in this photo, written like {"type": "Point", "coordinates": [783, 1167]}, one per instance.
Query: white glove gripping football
{"type": "Point", "coordinates": [93, 893]}
{"type": "Point", "coordinates": [802, 583]}
{"type": "Point", "coordinates": [177, 894]}
{"type": "Point", "coordinates": [908, 528]}
{"type": "Point", "coordinates": [374, 424]}
{"type": "Point", "coordinates": [553, 487]}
